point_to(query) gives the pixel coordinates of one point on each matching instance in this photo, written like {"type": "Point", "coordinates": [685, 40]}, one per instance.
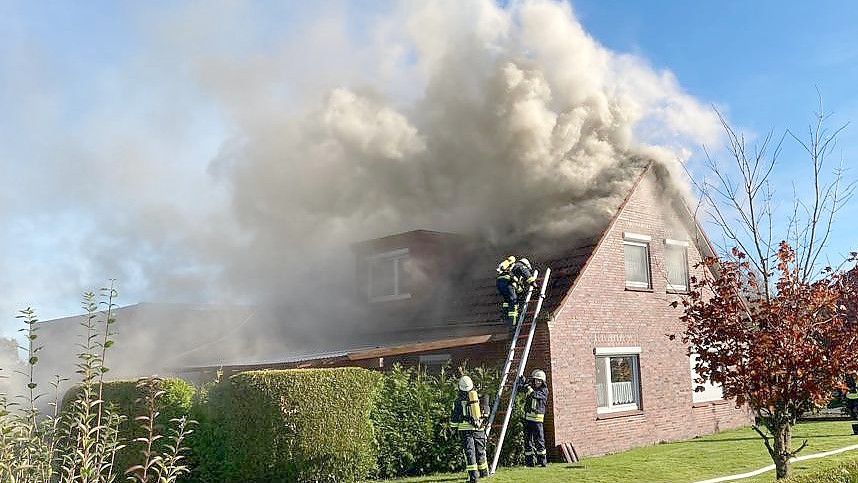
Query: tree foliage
{"type": "Point", "coordinates": [781, 355]}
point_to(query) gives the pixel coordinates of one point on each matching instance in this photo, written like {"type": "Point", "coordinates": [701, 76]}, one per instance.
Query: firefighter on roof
{"type": "Point", "coordinates": [536, 396]}
{"type": "Point", "coordinates": [514, 277]}
{"type": "Point", "coordinates": [468, 417]}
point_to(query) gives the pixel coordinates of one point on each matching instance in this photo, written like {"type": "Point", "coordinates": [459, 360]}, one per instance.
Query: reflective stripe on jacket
{"type": "Point", "coordinates": [460, 417]}
{"type": "Point", "coordinates": [535, 402]}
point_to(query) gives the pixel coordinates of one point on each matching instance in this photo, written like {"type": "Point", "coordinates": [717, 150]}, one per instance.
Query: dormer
{"type": "Point", "coordinates": [397, 269]}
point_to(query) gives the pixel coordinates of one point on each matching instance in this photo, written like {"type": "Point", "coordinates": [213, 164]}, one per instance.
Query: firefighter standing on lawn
{"type": "Point", "coordinates": [536, 397]}
{"type": "Point", "coordinates": [514, 277]}
{"type": "Point", "coordinates": [468, 418]}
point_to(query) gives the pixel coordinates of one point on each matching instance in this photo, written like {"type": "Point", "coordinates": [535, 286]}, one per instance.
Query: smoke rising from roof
{"type": "Point", "coordinates": [228, 162]}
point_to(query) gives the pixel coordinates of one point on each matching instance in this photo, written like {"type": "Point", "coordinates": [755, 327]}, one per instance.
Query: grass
{"type": "Point", "coordinates": [730, 452]}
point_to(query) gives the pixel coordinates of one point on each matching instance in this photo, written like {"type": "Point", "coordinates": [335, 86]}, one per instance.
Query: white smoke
{"type": "Point", "coordinates": [229, 162]}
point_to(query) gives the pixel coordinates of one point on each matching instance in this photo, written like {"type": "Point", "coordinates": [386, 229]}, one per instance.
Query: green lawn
{"type": "Point", "coordinates": [730, 452]}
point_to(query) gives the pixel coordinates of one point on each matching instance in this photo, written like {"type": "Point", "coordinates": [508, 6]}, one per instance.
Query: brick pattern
{"type": "Point", "coordinates": [601, 312]}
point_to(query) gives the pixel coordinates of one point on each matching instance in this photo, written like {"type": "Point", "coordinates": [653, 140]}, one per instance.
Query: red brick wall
{"type": "Point", "coordinates": [601, 312]}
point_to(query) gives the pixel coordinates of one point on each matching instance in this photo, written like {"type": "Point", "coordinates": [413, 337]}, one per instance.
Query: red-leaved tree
{"type": "Point", "coordinates": [780, 355]}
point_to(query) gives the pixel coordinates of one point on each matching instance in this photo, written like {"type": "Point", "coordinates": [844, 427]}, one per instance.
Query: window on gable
{"type": "Point", "coordinates": [387, 276]}
{"type": "Point", "coordinates": [676, 261]}
{"type": "Point", "coordinates": [636, 248]}
{"type": "Point", "coordinates": [618, 385]}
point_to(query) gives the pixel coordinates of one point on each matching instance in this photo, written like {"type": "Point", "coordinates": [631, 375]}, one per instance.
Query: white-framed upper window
{"type": "Point", "coordinates": [618, 382]}
{"type": "Point", "coordinates": [711, 391]}
{"type": "Point", "coordinates": [387, 276]}
{"type": "Point", "coordinates": [676, 262]}
{"type": "Point", "coordinates": [636, 251]}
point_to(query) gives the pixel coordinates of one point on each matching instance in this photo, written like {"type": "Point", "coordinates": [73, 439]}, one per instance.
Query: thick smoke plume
{"type": "Point", "coordinates": [222, 166]}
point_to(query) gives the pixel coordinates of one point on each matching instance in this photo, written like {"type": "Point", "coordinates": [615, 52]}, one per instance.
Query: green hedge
{"type": "Point", "coordinates": [122, 394]}
{"type": "Point", "coordinates": [844, 473]}
{"type": "Point", "coordinates": [411, 418]}
{"type": "Point", "coordinates": [298, 425]}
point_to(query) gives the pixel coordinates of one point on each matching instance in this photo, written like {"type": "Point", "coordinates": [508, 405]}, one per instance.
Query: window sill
{"type": "Point", "coordinates": [677, 292]}
{"type": "Point", "coordinates": [714, 402]}
{"type": "Point", "coordinates": [619, 414]}
{"type": "Point", "coordinates": [638, 289]}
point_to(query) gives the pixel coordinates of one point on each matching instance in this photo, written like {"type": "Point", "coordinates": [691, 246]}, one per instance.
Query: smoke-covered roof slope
{"type": "Point", "coordinates": [463, 312]}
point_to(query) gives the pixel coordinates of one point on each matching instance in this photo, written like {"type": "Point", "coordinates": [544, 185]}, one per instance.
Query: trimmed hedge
{"type": "Point", "coordinates": [411, 418]}
{"type": "Point", "coordinates": [122, 394]}
{"type": "Point", "coordinates": [298, 425]}
{"type": "Point", "coordinates": [844, 473]}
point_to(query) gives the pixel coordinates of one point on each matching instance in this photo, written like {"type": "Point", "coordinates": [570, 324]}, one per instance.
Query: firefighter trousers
{"type": "Point", "coordinates": [534, 444]}
{"type": "Point", "coordinates": [474, 446]}
{"type": "Point", "coordinates": [509, 306]}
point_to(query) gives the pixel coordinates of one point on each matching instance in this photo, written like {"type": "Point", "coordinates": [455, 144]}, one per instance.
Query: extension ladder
{"type": "Point", "coordinates": [516, 354]}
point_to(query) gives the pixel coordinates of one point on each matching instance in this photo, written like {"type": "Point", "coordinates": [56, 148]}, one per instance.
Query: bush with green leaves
{"type": "Point", "coordinates": [411, 421]}
{"type": "Point", "coordinates": [126, 397]}
{"type": "Point", "coordinates": [300, 425]}
{"type": "Point", "coordinates": [80, 444]}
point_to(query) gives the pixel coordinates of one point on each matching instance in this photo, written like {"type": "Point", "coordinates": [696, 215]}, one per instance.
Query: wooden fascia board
{"type": "Point", "coordinates": [425, 346]}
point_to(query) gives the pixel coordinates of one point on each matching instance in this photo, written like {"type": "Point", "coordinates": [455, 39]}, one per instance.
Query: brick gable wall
{"type": "Point", "coordinates": [601, 312]}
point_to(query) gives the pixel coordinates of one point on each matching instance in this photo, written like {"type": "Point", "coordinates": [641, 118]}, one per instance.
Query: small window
{"type": "Point", "coordinates": [676, 261]}
{"type": "Point", "coordinates": [710, 392]}
{"type": "Point", "coordinates": [636, 249]}
{"type": "Point", "coordinates": [617, 381]}
{"type": "Point", "coordinates": [387, 276]}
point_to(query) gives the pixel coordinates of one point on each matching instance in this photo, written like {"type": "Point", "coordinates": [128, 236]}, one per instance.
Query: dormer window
{"type": "Point", "coordinates": [387, 277]}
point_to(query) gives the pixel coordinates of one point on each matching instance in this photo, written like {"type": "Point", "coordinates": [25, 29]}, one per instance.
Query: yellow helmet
{"type": "Point", "coordinates": [538, 374]}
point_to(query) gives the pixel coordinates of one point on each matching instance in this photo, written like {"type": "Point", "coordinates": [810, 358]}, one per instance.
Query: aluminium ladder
{"type": "Point", "coordinates": [512, 386]}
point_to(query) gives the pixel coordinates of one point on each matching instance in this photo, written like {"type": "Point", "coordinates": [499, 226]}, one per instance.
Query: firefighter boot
{"type": "Point", "coordinates": [528, 460]}
{"type": "Point", "coordinates": [542, 460]}
{"type": "Point", "coordinates": [484, 473]}
{"type": "Point", "coordinates": [473, 476]}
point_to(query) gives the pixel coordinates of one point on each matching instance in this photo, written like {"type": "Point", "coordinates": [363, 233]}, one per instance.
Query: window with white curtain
{"type": "Point", "coordinates": [636, 248]}
{"type": "Point", "coordinates": [676, 262]}
{"type": "Point", "coordinates": [618, 385]}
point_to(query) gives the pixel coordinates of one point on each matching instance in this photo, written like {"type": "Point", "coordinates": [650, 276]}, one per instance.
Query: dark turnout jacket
{"type": "Point", "coordinates": [534, 403]}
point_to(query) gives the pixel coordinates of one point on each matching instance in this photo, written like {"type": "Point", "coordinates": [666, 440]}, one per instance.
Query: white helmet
{"type": "Point", "coordinates": [465, 383]}
{"type": "Point", "coordinates": [526, 263]}
{"type": "Point", "coordinates": [538, 374]}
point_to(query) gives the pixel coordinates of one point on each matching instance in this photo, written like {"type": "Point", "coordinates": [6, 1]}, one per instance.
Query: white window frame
{"type": "Point", "coordinates": [673, 244]}
{"type": "Point", "coordinates": [713, 392]}
{"type": "Point", "coordinates": [606, 353]}
{"type": "Point", "coordinates": [396, 257]}
{"type": "Point", "coordinates": [638, 240]}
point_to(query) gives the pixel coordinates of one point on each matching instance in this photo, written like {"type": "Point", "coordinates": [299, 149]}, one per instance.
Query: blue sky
{"type": "Point", "coordinates": [85, 70]}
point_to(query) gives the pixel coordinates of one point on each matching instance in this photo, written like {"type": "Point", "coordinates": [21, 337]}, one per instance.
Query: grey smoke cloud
{"type": "Point", "coordinates": [227, 161]}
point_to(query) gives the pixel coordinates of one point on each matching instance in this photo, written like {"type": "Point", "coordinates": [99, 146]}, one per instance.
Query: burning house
{"type": "Point", "coordinates": [617, 380]}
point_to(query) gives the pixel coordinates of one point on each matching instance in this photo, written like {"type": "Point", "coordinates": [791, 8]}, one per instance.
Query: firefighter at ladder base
{"type": "Point", "coordinates": [514, 277]}
{"type": "Point", "coordinates": [536, 396]}
{"type": "Point", "coordinates": [468, 417]}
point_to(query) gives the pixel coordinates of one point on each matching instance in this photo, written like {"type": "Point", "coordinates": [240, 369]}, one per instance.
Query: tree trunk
{"type": "Point", "coordinates": [782, 446]}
